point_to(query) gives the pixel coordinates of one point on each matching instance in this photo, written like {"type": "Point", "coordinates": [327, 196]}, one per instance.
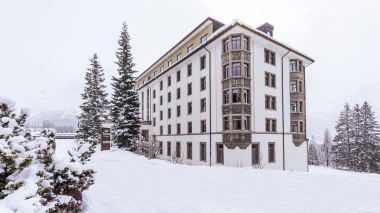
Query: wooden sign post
{"type": "Point", "coordinates": [106, 139]}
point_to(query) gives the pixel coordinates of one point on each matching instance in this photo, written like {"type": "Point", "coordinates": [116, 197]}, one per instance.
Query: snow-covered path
{"type": "Point", "coordinates": [129, 183]}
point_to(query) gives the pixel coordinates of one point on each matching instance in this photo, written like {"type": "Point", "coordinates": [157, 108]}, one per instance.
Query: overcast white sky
{"type": "Point", "coordinates": [45, 45]}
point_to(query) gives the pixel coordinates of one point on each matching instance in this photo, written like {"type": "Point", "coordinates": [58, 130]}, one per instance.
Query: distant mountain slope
{"type": "Point", "coordinates": [59, 118]}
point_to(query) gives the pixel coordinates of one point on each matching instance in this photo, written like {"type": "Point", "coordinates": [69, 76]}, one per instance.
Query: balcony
{"type": "Point", "coordinates": [236, 82]}
{"type": "Point", "coordinates": [236, 55]}
{"type": "Point", "coordinates": [299, 138]}
{"type": "Point", "coordinates": [237, 139]}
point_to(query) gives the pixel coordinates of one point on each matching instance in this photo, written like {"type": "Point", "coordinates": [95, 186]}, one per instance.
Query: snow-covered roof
{"type": "Point", "coordinates": [236, 21]}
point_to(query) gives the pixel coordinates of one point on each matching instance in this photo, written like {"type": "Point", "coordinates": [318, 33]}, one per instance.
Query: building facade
{"type": "Point", "coordinates": [228, 95]}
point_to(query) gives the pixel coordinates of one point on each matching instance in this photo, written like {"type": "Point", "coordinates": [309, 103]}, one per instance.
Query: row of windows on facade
{"type": "Point", "coordinates": [236, 93]}
{"type": "Point", "coordinates": [189, 109]}
{"type": "Point", "coordinates": [237, 124]}
{"type": "Point", "coordinates": [189, 68]}
{"type": "Point", "coordinates": [255, 151]}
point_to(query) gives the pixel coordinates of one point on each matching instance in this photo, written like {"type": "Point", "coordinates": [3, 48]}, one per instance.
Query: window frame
{"type": "Point", "coordinates": [178, 93]}
{"type": "Point", "coordinates": [180, 56]}
{"type": "Point", "coordinates": [169, 80]}
{"type": "Point", "coordinates": [178, 128]}
{"type": "Point", "coordinates": [203, 39]}
{"type": "Point", "coordinates": [204, 156]}
{"type": "Point", "coordinates": [203, 62]}
{"type": "Point", "coordinates": [189, 150]}
{"type": "Point", "coordinates": [203, 83]}
{"type": "Point", "coordinates": [189, 69]}
{"type": "Point", "coordinates": [190, 48]}
{"type": "Point", "coordinates": [189, 108]}
{"type": "Point", "coordinates": [203, 102]}
{"type": "Point", "coordinates": [219, 159]}
{"type": "Point", "coordinates": [203, 126]}
{"type": "Point", "coordinates": [274, 152]}
{"type": "Point", "coordinates": [168, 148]}
{"type": "Point", "coordinates": [189, 127]}
{"type": "Point", "coordinates": [258, 153]}
{"type": "Point", "coordinates": [189, 89]}
{"type": "Point", "coordinates": [268, 57]}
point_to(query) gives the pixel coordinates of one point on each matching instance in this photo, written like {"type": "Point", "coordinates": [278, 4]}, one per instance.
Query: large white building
{"type": "Point", "coordinates": [228, 95]}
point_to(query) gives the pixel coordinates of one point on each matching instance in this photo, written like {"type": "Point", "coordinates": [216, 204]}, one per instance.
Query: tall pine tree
{"type": "Point", "coordinates": [125, 103]}
{"type": "Point", "coordinates": [343, 141]}
{"type": "Point", "coordinates": [369, 144]}
{"type": "Point", "coordinates": [327, 147]}
{"type": "Point", "coordinates": [95, 105]}
{"type": "Point", "coordinates": [356, 162]}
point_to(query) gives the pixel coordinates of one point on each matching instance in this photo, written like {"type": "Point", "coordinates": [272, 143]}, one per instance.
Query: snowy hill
{"type": "Point", "coordinates": [317, 122]}
{"type": "Point", "coordinates": [59, 118]}
{"type": "Point", "coordinates": [126, 182]}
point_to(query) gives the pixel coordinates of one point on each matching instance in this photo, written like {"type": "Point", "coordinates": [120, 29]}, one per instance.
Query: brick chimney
{"type": "Point", "coordinates": [267, 29]}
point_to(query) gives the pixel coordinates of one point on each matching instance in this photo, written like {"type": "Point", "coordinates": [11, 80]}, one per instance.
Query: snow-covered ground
{"type": "Point", "coordinates": [129, 183]}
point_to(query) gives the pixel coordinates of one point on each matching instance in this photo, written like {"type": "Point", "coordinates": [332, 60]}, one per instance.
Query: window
{"type": "Point", "coordinates": [161, 115]}
{"type": "Point", "coordinates": [189, 150]}
{"type": "Point", "coordinates": [267, 102]}
{"type": "Point", "coordinates": [246, 96]}
{"type": "Point", "coordinates": [299, 86]}
{"type": "Point", "coordinates": [246, 122]}
{"type": "Point", "coordinates": [226, 71]}
{"type": "Point", "coordinates": [246, 43]}
{"type": "Point", "coordinates": [203, 125]}
{"type": "Point", "coordinates": [148, 78]}
{"type": "Point", "coordinates": [293, 106]}
{"type": "Point", "coordinates": [267, 79]}
{"type": "Point", "coordinates": [236, 95]}
{"type": "Point", "coordinates": [236, 42]}
{"type": "Point", "coordinates": [190, 48]}
{"type": "Point", "coordinates": [236, 69]}
{"type": "Point", "coordinates": [293, 65]}
{"type": "Point", "coordinates": [300, 66]}
{"type": "Point", "coordinates": [161, 130]}
{"type": "Point", "coordinates": [226, 123]}
{"type": "Point", "coordinates": [169, 97]}
{"type": "Point", "coordinates": [226, 95]}
{"type": "Point", "coordinates": [202, 151]}
{"type": "Point", "coordinates": [255, 153]}
{"type": "Point", "coordinates": [169, 113]}
{"type": "Point", "coordinates": [236, 122]}
{"type": "Point", "coordinates": [160, 152]}
{"type": "Point", "coordinates": [189, 108]}
{"type": "Point", "coordinates": [270, 80]}
{"type": "Point", "coordinates": [143, 82]}
{"type": "Point", "coordinates": [189, 89]}
{"type": "Point", "coordinates": [169, 129]}
{"type": "Point", "coordinates": [161, 100]}
{"type": "Point", "coordinates": [293, 126]}
{"type": "Point", "coordinates": [178, 128]}
{"type": "Point", "coordinates": [154, 93]}
{"type": "Point", "coordinates": [270, 57]}
{"type": "Point", "coordinates": [293, 86]}
{"type": "Point", "coordinates": [169, 146]}
{"type": "Point", "coordinates": [273, 103]}
{"type": "Point", "coordinates": [204, 39]}
{"type": "Point", "coordinates": [161, 85]}
{"type": "Point", "coordinates": [162, 69]}
{"type": "Point", "coordinates": [154, 107]}
{"type": "Point", "coordinates": [203, 105]}
{"type": "Point", "coordinates": [246, 70]}
{"type": "Point", "coordinates": [271, 152]}
{"type": "Point", "coordinates": [178, 75]}
{"type": "Point", "coordinates": [270, 125]}
{"type": "Point", "coordinates": [203, 83]}
{"type": "Point", "coordinates": [203, 62]}
{"type": "Point", "coordinates": [179, 56]}
{"type": "Point", "coordinates": [301, 106]}
{"type": "Point", "coordinates": [169, 63]}
{"type": "Point", "coordinates": [178, 149]}
{"type": "Point", "coordinates": [301, 126]}
{"type": "Point", "coordinates": [178, 93]}
{"type": "Point", "coordinates": [155, 74]}
{"type": "Point", "coordinates": [189, 70]}
{"type": "Point", "coordinates": [274, 125]}
{"type": "Point", "coordinates": [219, 153]}
{"type": "Point", "coordinates": [189, 127]}
{"type": "Point", "coordinates": [169, 81]}
{"type": "Point", "coordinates": [178, 110]}
{"type": "Point", "coordinates": [154, 121]}
{"type": "Point", "coordinates": [225, 45]}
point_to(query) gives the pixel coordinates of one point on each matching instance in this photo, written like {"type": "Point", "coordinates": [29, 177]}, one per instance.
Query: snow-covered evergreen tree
{"type": "Point", "coordinates": [326, 148]}
{"type": "Point", "coordinates": [313, 155]}
{"type": "Point", "coordinates": [94, 107]}
{"type": "Point", "coordinates": [125, 103]}
{"type": "Point", "coordinates": [369, 144]}
{"type": "Point", "coordinates": [343, 141]}
{"type": "Point", "coordinates": [356, 162]}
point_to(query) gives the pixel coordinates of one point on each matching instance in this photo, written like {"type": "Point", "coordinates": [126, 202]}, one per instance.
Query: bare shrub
{"type": "Point", "coordinates": [261, 163]}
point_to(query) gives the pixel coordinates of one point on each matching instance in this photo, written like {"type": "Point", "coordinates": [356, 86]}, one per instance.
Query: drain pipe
{"type": "Point", "coordinates": [209, 90]}
{"type": "Point", "coordinates": [283, 123]}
